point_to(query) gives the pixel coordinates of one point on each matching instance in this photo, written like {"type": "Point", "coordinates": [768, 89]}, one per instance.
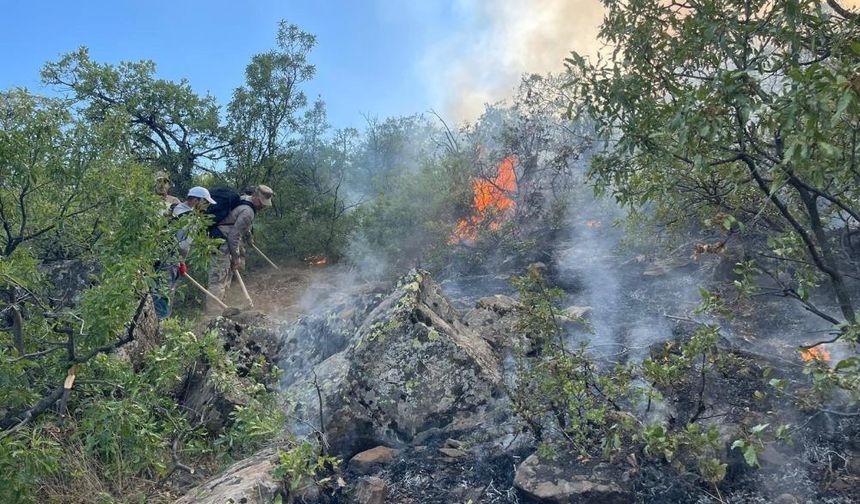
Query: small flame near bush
{"type": "Point", "coordinates": [316, 260]}
{"type": "Point", "coordinates": [819, 354]}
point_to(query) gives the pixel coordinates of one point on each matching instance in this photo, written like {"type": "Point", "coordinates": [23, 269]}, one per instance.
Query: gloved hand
{"type": "Point", "coordinates": [183, 269]}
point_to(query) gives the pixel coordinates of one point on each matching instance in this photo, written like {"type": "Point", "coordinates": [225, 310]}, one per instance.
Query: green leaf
{"type": "Point", "coordinates": [846, 363]}
{"type": "Point", "coordinates": [751, 456]}
{"type": "Point", "coordinates": [758, 429]}
{"type": "Point", "coordinates": [842, 106]}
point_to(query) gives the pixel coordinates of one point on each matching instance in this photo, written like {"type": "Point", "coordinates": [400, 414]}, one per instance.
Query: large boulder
{"type": "Point", "coordinates": [411, 366]}
{"type": "Point", "coordinates": [566, 482]}
{"type": "Point", "coordinates": [208, 394]}
{"type": "Point", "coordinates": [325, 331]}
{"type": "Point", "coordinates": [494, 319]}
{"type": "Point", "coordinates": [147, 336]}
{"type": "Point", "coordinates": [69, 279]}
{"type": "Point", "coordinates": [252, 336]}
{"type": "Point", "coordinates": [248, 481]}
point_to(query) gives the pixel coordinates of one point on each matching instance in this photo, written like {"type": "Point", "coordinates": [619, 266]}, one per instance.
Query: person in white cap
{"type": "Point", "coordinates": [236, 229]}
{"type": "Point", "coordinates": [197, 201]}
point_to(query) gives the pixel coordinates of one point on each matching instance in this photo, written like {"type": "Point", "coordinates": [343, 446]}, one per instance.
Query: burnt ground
{"type": "Point", "coordinates": [649, 303]}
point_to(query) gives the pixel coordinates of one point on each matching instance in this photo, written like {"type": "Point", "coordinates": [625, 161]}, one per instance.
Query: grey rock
{"type": "Point", "coordinates": [786, 498]}
{"type": "Point", "coordinates": [453, 453]}
{"type": "Point", "coordinates": [319, 335]}
{"type": "Point", "coordinates": [494, 319]}
{"type": "Point", "coordinates": [577, 312]}
{"type": "Point", "coordinates": [69, 279]}
{"type": "Point", "coordinates": [412, 366]}
{"type": "Point", "coordinates": [248, 481]}
{"type": "Point", "coordinates": [499, 303]}
{"type": "Point", "coordinates": [210, 396]}
{"type": "Point", "coordinates": [147, 336]}
{"type": "Point", "coordinates": [558, 482]}
{"type": "Point", "coordinates": [371, 490]}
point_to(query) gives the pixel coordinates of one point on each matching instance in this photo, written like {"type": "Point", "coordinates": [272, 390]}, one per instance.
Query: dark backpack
{"type": "Point", "coordinates": [226, 200]}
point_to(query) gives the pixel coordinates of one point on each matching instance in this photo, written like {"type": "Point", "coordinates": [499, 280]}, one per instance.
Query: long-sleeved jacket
{"type": "Point", "coordinates": [236, 227]}
{"type": "Point", "coordinates": [184, 235]}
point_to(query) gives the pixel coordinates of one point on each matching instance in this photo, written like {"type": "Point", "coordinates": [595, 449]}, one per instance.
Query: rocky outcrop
{"type": "Point", "coordinates": [323, 333]}
{"type": "Point", "coordinates": [249, 481]}
{"type": "Point", "coordinates": [210, 395]}
{"type": "Point", "coordinates": [69, 279]}
{"type": "Point", "coordinates": [494, 319]}
{"type": "Point", "coordinates": [147, 335]}
{"type": "Point", "coordinates": [252, 336]}
{"type": "Point", "coordinates": [411, 366]}
{"type": "Point", "coordinates": [557, 482]}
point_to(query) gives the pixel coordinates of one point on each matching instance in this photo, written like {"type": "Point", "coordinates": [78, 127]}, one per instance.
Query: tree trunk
{"type": "Point", "coordinates": [836, 277]}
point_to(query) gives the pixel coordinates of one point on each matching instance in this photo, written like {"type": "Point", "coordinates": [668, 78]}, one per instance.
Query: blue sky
{"type": "Point", "coordinates": [375, 57]}
{"type": "Point", "coordinates": [366, 55]}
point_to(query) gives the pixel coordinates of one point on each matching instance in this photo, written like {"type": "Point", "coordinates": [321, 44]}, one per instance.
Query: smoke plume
{"type": "Point", "coordinates": [483, 63]}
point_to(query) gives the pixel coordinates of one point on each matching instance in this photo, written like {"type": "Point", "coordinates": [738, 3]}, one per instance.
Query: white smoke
{"type": "Point", "coordinates": [484, 61]}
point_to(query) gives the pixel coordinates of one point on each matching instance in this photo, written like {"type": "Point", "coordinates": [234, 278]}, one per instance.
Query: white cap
{"type": "Point", "coordinates": [202, 193]}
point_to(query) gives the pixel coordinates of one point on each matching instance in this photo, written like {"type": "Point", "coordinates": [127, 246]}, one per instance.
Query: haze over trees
{"type": "Point", "coordinates": [735, 122]}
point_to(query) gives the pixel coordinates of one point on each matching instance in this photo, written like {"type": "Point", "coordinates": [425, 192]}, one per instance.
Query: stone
{"type": "Point", "coordinates": [210, 396]}
{"type": "Point", "coordinates": [494, 319]}
{"type": "Point", "coordinates": [411, 366]}
{"type": "Point", "coordinates": [375, 458]}
{"type": "Point", "coordinates": [248, 481]}
{"type": "Point", "coordinates": [326, 331]}
{"type": "Point", "coordinates": [147, 336]}
{"type": "Point", "coordinates": [252, 336]}
{"type": "Point", "coordinates": [564, 482]}
{"type": "Point", "coordinates": [371, 490]}
{"type": "Point", "coordinates": [786, 498]}
{"type": "Point", "coordinates": [453, 453]}
{"type": "Point", "coordinates": [772, 457]}
{"type": "Point", "coordinates": [499, 303]}
{"type": "Point", "coordinates": [69, 278]}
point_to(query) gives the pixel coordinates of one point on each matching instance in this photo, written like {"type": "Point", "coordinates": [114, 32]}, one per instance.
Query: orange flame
{"type": "Point", "coordinates": [491, 199]}
{"type": "Point", "coordinates": [817, 354]}
{"type": "Point", "coordinates": [316, 260]}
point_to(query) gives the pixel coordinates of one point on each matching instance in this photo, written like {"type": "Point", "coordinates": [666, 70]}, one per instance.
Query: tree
{"type": "Point", "coordinates": [736, 112]}
{"type": "Point", "coordinates": [50, 162]}
{"type": "Point", "coordinates": [263, 113]}
{"type": "Point", "coordinates": [173, 128]}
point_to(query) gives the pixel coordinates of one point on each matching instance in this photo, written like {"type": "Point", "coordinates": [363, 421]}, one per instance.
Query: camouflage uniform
{"type": "Point", "coordinates": [236, 227]}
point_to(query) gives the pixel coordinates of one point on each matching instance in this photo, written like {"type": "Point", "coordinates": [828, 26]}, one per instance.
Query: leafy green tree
{"type": "Point", "coordinates": [738, 113]}
{"type": "Point", "coordinates": [173, 128]}
{"type": "Point", "coordinates": [70, 410]}
{"type": "Point", "coordinates": [51, 162]}
{"type": "Point", "coordinates": [263, 114]}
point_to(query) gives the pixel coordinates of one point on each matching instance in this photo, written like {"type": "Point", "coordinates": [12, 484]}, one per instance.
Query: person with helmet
{"type": "Point", "coordinates": [162, 189]}
{"type": "Point", "coordinates": [197, 201]}
{"type": "Point", "coordinates": [236, 230]}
